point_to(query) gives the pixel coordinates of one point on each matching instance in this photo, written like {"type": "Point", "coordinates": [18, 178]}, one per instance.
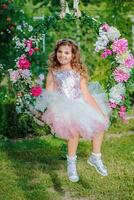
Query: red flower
{"type": "Point", "coordinates": [36, 91]}
{"type": "Point", "coordinates": [4, 6]}
{"type": "Point", "coordinates": [36, 49]}
{"type": "Point", "coordinates": [11, 27]}
{"type": "Point", "coordinates": [122, 112]}
{"type": "Point", "coordinates": [23, 63]}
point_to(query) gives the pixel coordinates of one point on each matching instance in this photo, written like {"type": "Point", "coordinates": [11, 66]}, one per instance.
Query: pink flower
{"type": "Point", "coordinates": [120, 46]}
{"type": "Point", "coordinates": [121, 76]}
{"type": "Point", "coordinates": [31, 51]}
{"type": "Point", "coordinates": [105, 27]}
{"type": "Point", "coordinates": [112, 104]}
{"type": "Point", "coordinates": [23, 62]}
{"type": "Point", "coordinates": [36, 91]}
{"type": "Point", "coordinates": [28, 43]}
{"type": "Point", "coordinates": [129, 62]}
{"type": "Point", "coordinates": [14, 75]}
{"type": "Point", "coordinates": [122, 112]}
{"type": "Point", "coordinates": [106, 53]}
{"type": "Point", "coordinates": [122, 97]}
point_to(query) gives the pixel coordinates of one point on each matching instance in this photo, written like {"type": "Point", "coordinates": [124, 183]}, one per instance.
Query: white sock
{"type": "Point", "coordinates": [71, 163]}
{"type": "Point", "coordinates": [71, 157]}
{"type": "Point", "coordinates": [96, 154]}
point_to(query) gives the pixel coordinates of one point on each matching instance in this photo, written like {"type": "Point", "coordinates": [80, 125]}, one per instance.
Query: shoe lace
{"type": "Point", "coordinates": [100, 163]}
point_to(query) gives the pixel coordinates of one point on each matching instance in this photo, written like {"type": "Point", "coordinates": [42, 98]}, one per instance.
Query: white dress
{"type": "Point", "coordinates": [66, 111]}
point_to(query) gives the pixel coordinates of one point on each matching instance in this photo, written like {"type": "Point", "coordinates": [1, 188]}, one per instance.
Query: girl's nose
{"type": "Point", "coordinates": [62, 54]}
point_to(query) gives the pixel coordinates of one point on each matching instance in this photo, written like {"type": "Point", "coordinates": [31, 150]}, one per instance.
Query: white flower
{"type": "Point", "coordinates": [124, 69]}
{"type": "Point", "coordinates": [1, 66]}
{"type": "Point", "coordinates": [15, 38]}
{"type": "Point", "coordinates": [14, 75]}
{"type": "Point", "coordinates": [19, 108]}
{"type": "Point", "coordinates": [25, 24]}
{"type": "Point", "coordinates": [27, 49]}
{"type": "Point", "coordinates": [40, 79]}
{"type": "Point", "coordinates": [19, 27]}
{"type": "Point", "coordinates": [122, 57]}
{"type": "Point", "coordinates": [102, 32]}
{"type": "Point", "coordinates": [27, 97]}
{"type": "Point", "coordinates": [19, 44]}
{"type": "Point", "coordinates": [30, 28]}
{"type": "Point", "coordinates": [25, 73]}
{"type": "Point", "coordinates": [113, 33]}
{"type": "Point", "coordinates": [8, 30]}
{"type": "Point", "coordinates": [116, 93]}
{"type": "Point", "coordinates": [101, 43]}
{"type": "Point", "coordinates": [19, 101]}
{"type": "Point", "coordinates": [22, 11]}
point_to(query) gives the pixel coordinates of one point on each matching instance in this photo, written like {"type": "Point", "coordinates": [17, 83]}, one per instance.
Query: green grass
{"type": "Point", "coordinates": [35, 169]}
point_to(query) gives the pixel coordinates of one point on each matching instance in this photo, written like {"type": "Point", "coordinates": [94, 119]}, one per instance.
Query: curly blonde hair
{"type": "Point", "coordinates": [76, 62]}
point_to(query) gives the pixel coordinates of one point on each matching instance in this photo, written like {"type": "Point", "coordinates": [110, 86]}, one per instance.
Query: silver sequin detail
{"type": "Point", "coordinates": [67, 82]}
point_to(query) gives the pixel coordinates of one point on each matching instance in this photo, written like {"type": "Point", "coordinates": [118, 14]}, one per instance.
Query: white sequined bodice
{"type": "Point", "coordinates": [67, 82]}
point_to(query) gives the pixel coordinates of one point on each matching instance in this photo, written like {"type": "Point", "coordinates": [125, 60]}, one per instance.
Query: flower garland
{"type": "Point", "coordinates": [111, 44]}
{"type": "Point", "coordinates": [108, 42]}
{"type": "Point", "coordinates": [27, 88]}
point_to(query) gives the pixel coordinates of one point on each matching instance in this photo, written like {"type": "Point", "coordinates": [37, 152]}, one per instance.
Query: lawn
{"type": "Point", "coordinates": [35, 169]}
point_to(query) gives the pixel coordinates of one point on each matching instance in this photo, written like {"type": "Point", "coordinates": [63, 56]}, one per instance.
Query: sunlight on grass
{"type": "Point", "coordinates": [35, 169]}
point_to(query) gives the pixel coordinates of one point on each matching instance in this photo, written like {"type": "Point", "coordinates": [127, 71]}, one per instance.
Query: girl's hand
{"type": "Point", "coordinates": [106, 118]}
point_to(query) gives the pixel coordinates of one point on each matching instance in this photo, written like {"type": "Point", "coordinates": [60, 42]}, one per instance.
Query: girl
{"type": "Point", "coordinates": [72, 112]}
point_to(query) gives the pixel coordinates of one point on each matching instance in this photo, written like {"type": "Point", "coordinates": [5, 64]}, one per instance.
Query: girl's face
{"type": "Point", "coordinates": [64, 54]}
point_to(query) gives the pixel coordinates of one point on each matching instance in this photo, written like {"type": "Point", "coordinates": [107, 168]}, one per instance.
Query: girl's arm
{"type": "Point", "coordinates": [88, 97]}
{"type": "Point", "coordinates": [49, 82]}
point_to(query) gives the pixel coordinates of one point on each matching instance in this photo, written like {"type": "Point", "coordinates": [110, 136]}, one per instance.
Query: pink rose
{"type": "Point", "coordinates": [122, 112]}
{"type": "Point", "coordinates": [28, 43]}
{"type": "Point", "coordinates": [129, 62]}
{"type": "Point", "coordinates": [31, 51]}
{"type": "Point", "coordinates": [106, 53]}
{"type": "Point", "coordinates": [112, 104]}
{"type": "Point", "coordinates": [23, 63]}
{"type": "Point", "coordinates": [36, 91]}
{"type": "Point", "coordinates": [120, 76]}
{"type": "Point", "coordinates": [105, 27]}
{"type": "Point", "coordinates": [120, 46]}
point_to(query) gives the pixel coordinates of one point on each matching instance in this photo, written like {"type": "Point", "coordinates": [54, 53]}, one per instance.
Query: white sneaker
{"type": "Point", "coordinates": [96, 162]}
{"type": "Point", "coordinates": [71, 169]}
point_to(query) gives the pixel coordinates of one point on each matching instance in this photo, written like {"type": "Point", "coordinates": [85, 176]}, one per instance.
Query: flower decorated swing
{"type": "Point", "coordinates": [108, 42]}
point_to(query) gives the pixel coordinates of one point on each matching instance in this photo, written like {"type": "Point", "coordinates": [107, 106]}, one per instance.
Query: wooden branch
{"type": "Point", "coordinates": [64, 8]}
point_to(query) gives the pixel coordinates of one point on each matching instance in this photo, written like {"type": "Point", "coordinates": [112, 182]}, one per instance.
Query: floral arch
{"type": "Point", "coordinates": [108, 44]}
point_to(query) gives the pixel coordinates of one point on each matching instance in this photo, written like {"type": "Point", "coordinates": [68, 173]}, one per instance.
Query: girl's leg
{"type": "Point", "coordinates": [95, 158]}
{"type": "Point", "coordinates": [97, 142]}
{"type": "Point", "coordinates": [72, 158]}
{"type": "Point", "coordinates": [72, 146]}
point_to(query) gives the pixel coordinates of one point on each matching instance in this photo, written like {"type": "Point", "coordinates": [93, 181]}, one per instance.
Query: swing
{"type": "Point", "coordinates": [109, 43]}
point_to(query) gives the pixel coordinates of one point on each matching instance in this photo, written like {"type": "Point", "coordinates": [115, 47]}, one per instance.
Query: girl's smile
{"type": "Point", "coordinates": [64, 54]}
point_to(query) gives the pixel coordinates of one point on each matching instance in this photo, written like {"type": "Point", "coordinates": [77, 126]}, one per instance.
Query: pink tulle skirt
{"type": "Point", "coordinates": [71, 117]}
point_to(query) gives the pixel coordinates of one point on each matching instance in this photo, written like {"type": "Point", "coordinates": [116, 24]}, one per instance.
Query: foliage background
{"type": "Point", "coordinates": [117, 13]}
